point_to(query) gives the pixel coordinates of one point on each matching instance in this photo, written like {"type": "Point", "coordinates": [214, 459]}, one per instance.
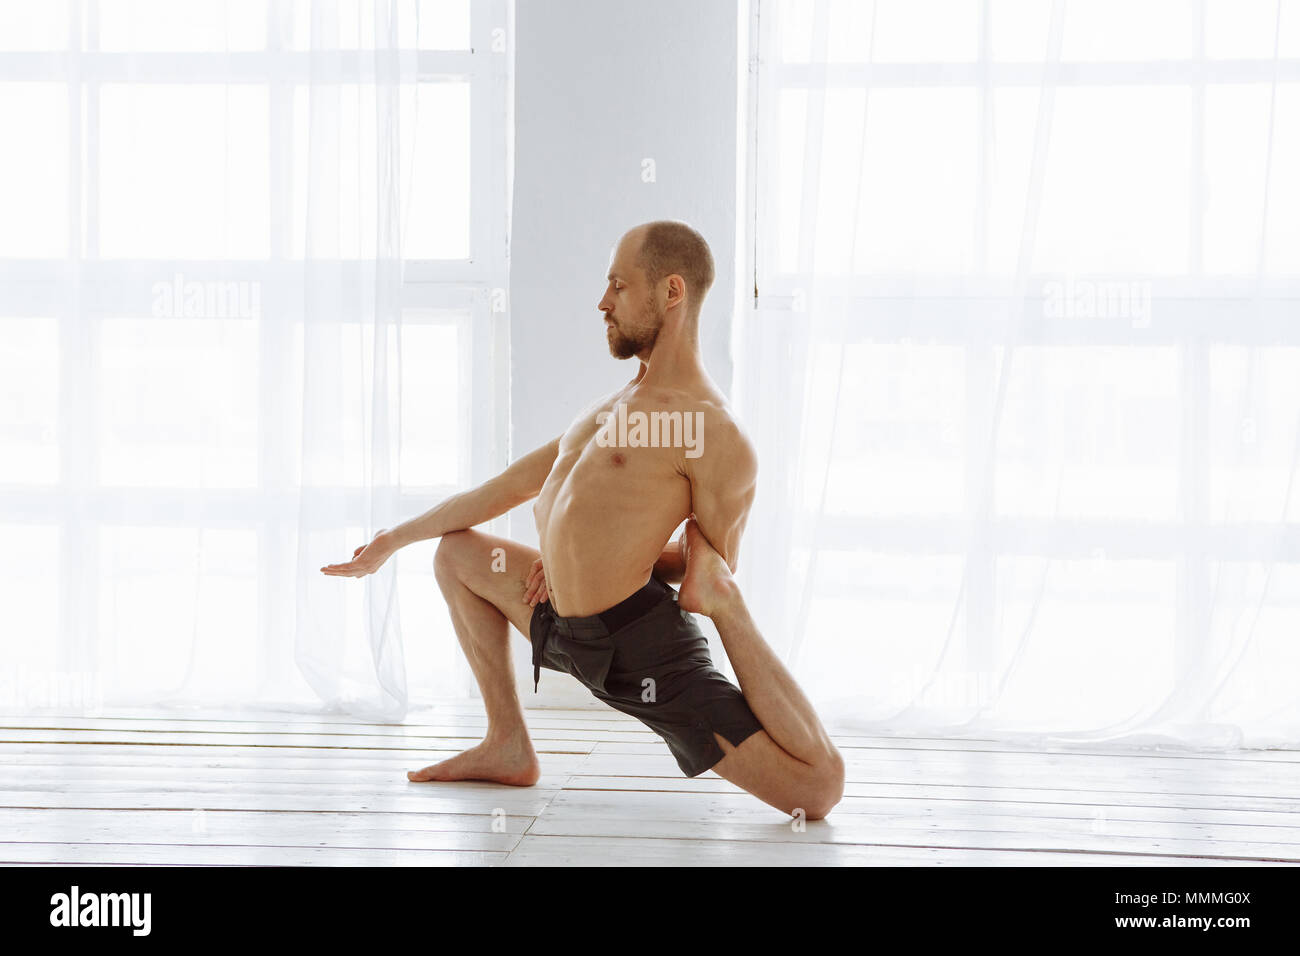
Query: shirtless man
{"type": "Point", "coordinates": [595, 602]}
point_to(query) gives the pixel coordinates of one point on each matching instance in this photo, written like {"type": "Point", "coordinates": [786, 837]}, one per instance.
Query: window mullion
{"type": "Point", "coordinates": [981, 559]}
{"type": "Point", "coordinates": [78, 378]}
{"type": "Point", "coordinates": [275, 357]}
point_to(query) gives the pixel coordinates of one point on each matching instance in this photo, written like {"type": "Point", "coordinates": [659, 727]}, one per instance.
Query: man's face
{"type": "Point", "coordinates": [632, 314]}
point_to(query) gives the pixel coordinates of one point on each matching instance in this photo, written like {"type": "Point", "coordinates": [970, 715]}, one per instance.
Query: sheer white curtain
{"type": "Point", "coordinates": [220, 374]}
{"type": "Point", "coordinates": [1023, 366]}
{"type": "Point", "coordinates": [351, 315]}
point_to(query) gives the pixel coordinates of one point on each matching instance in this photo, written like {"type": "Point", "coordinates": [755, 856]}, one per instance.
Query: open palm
{"type": "Point", "coordinates": [367, 559]}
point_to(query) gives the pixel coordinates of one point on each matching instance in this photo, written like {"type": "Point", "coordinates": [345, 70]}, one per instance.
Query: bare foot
{"type": "Point", "coordinates": [708, 582]}
{"type": "Point", "coordinates": [512, 761]}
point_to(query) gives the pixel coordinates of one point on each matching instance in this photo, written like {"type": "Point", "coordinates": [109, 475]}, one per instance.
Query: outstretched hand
{"type": "Point", "coordinates": [367, 559]}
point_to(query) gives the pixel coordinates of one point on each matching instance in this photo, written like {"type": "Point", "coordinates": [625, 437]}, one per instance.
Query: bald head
{"type": "Point", "coordinates": [659, 274]}
{"type": "Point", "coordinates": [669, 247]}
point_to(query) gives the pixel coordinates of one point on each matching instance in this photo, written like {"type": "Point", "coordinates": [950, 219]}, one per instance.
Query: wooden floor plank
{"type": "Point", "coordinates": [468, 732]}
{"type": "Point", "coordinates": [214, 821]}
{"type": "Point", "coordinates": [586, 851]}
{"type": "Point", "coordinates": [147, 855]}
{"type": "Point", "coordinates": [470, 715]}
{"type": "Point", "coordinates": [262, 739]}
{"type": "Point", "coordinates": [510, 800]}
{"type": "Point", "coordinates": [148, 756]}
{"type": "Point", "coordinates": [216, 828]}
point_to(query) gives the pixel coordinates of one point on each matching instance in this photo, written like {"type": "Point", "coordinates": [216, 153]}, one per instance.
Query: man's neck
{"type": "Point", "coordinates": [674, 360]}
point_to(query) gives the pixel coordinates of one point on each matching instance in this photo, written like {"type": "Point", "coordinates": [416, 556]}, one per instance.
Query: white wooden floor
{"type": "Point", "coordinates": [233, 788]}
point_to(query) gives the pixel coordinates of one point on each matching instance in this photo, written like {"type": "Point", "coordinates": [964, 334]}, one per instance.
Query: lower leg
{"type": "Point", "coordinates": [770, 690]}
{"type": "Point", "coordinates": [506, 754]}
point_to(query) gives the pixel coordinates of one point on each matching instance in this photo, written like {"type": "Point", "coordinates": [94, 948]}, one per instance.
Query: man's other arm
{"type": "Point", "coordinates": [723, 480]}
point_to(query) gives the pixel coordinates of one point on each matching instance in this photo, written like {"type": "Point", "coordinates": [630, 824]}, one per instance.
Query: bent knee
{"type": "Point", "coordinates": [827, 787]}
{"type": "Point", "coordinates": [449, 556]}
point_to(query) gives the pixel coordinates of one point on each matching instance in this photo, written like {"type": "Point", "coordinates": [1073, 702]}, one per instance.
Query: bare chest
{"type": "Point", "coordinates": [623, 448]}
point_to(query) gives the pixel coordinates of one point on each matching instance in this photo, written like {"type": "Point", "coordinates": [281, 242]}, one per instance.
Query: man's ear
{"type": "Point", "coordinates": [676, 290]}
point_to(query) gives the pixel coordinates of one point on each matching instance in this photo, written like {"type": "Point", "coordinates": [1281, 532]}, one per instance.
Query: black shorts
{"type": "Point", "coordinates": [646, 657]}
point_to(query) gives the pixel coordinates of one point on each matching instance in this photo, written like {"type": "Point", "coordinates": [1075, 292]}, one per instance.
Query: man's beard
{"type": "Point", "coordinates": [624, 345]}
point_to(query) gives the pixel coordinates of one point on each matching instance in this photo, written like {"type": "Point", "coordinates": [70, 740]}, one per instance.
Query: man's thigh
{"type": "Point", "coordinates": [495, 569]}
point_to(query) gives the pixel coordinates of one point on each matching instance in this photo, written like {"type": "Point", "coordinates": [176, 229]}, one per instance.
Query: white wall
{"type": "Point", "coordinates": [601, 86]}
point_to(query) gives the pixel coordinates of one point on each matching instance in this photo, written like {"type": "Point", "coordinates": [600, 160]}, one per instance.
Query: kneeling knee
{"type": "Point", "coordinates": [828, 788]}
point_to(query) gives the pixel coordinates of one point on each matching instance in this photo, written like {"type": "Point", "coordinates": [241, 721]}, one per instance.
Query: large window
{"type": "Point", "coordinates": [154, 214]}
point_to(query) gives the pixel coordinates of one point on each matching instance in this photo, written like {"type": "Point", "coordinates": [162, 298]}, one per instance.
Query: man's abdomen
{"type": "Point", "coordinates": [603, 534]}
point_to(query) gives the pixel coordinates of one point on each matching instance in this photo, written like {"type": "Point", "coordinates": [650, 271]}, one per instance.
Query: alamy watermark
{"type": "Point", "coordinates": [623, 429]}
{"type": "Point", "coordinates": [1072, 298]}
{"type": "Point", "coordinates": [206, 299]}
{"type": "Point", "coordinates": [75, 908]}
{"type": "Point", "coordinates": [71, 692]}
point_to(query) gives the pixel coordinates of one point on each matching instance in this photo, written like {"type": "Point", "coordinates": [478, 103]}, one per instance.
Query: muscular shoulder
{"type": "Point", "coordinates": [717, 445]}
{"type": "Point", "coordinates": [723, 480]}
{"type": "Point", "coordinates": [726, 452]}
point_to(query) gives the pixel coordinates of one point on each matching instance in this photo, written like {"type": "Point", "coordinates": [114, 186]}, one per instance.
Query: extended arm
{"type": "Point", "coordinates": [519, 483]}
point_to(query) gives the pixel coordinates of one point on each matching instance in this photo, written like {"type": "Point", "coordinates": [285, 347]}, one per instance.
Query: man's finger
{"type": "Point", "coordinates": [534, 581]}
